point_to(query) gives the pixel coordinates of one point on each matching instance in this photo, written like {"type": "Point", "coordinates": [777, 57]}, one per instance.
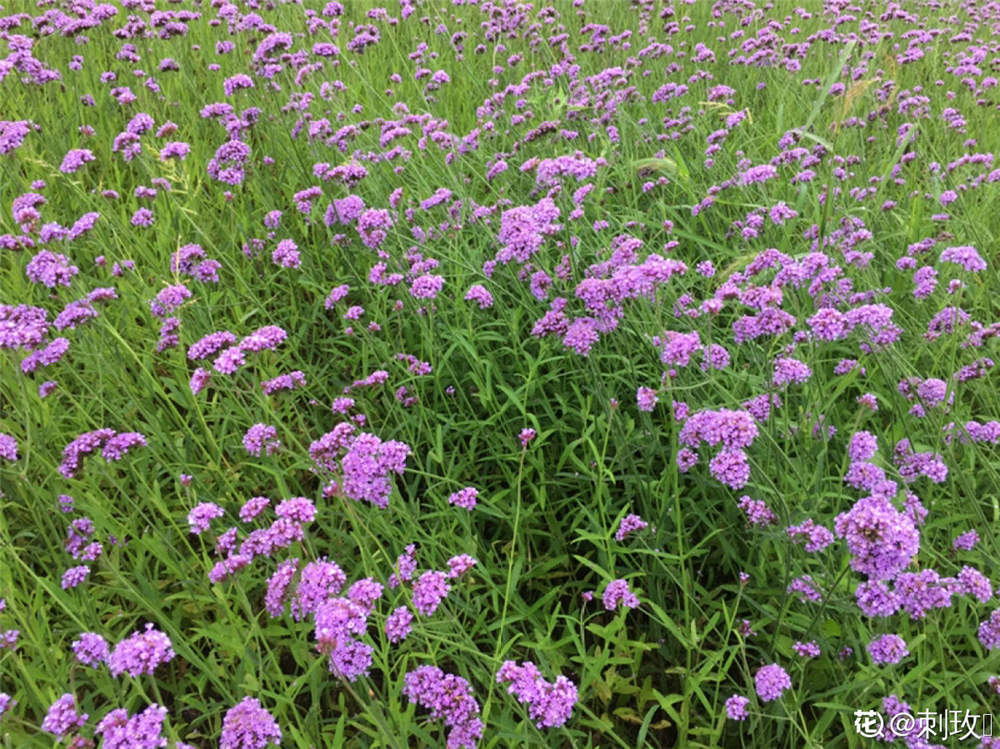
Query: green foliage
{"type": "Point", "coordinates": [543, 533]}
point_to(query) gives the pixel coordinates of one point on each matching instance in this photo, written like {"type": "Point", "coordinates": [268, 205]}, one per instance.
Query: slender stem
{"type": "Point", "coordinates": [510, 575]}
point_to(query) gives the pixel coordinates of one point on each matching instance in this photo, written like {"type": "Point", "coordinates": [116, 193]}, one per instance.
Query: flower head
{"type": "Point", "coordinates": [247, 725]}
{"type": "Point", "coordinates": [770, 681]}
{"type": "Point", "coordinates": [140, 653]}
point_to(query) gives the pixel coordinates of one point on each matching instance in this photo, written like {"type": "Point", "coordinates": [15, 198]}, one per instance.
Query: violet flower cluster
{"type": "Point", "coordinates": [448, 697]}
{"type": "Point", "coordinates": [550, 704]}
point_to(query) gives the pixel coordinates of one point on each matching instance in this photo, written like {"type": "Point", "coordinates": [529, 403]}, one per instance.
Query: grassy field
{"type": "Point", "coordinates": [591, 374]}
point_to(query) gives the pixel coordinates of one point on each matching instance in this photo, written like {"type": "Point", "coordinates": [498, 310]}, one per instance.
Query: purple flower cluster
{"type": "Point", "coordinates": [74, 576]}
{"type": "Point", "coordinates": [50, 269]}
{"type": "Point", "coordinates": [190, 260]}
{"type": "Point", "coordinates": [62, 719]}
{"type": "Point", "coordinates": [319, 581]}
{"type": "Point", "coordinates": [252, 508]}
{"type": "Point", "coordinates": [629, 524]}
{"type": "Point", "coordinates": [74, 160]}
{"type": "Point", "coordinates": [882, 540]}
{"type": "Point", "coordinates": [200, 517]}
{"type": "Point", "coordinates": [286, 254]}
{"type": "Point", "coordinates": [617, 593]}
{"type": "Point", "coordinates": [366, 465]}
{"type": "Point", "coordinates": [919, 592]}
{"type": "Point", "coordinates": [91, 649]}
{"type": "Point", "coordinates": [115, 445]}
{"type": "Point", "coordinates": [247, 725]}
{"type": "Point", "coordinates": [788, 370]}
{"type": "Point", "coordinates": [429, 590]}
{"type": "Point", "coordinates": [807, 649]}
{"type": "Point", "coordinates": [771, 681]}
{"type": "Point", "coordinates": [479, 294]}
{"type": "Point", "coordinates": [232, 357]}
{"type": "Point", "coordinates": [646, 399]}
{"type": "Point", "coordinates": [22, 326]}
{"type": "Point", "coordinates": [141, 731]}
{"type": "Point", "coordinates": [887, 649]}
{"type": "Point", "coordinates": [736, 707]}
{"type": "Point", "coordinates": [550, 704]}
{"type": "Point", "coordinates": [6, 703]}
{"type": "Point", "coordinates": [523, 230]}
{"type": "Point", "coordinates": [169, 300]}
{"type": "Point", "coordinates": [965, 256]}
{"type": "Point", "coordinates": [8, 448]}
{"type": "Point", "coordinates": [338, 622]}
{"type": "Point", "coordinates": [757, 511]}
{"type": "Point", "coordinates": [966, 541]}
{"type": "Point", "coordinates": [464, 498]}
{"type": "Point", "coordinates": [278, 585]}
{"type": "Point", "coordinates": [373, 226]}
{"type": "Point", "coordinates": [449, 697]}
{"type": "Point", "coordinates": [734, 430]}
{"type": "Point", "coordinates": [398, 624]}
{"type": "Point", "coordinates": [140, 653]}
{"type": "Point", "coordinates": [989, 631]}
{"type": "Point", "coordinates": [290, 381]}
{"type": "Point", "coordinates": [261, 439]}
{"type": "Point", "coordinates": [228, 165]}
{"type": "Point", "coordinates": [817, 537]}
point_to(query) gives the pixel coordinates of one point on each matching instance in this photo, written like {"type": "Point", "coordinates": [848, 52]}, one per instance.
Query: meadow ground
{"type": "Point", "coordinates": [496, 373]}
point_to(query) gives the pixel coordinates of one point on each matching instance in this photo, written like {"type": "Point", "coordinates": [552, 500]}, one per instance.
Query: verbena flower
{"type": "Point", "coordinates": [757, 511]}
{"type": "Point", "coordinates": [617, 593]}
{"type": "Point", "coordinates": [479, 294]}
{"type": "Point", "coordinates": [736, 707]}
{"type": "Point", "coordinates": [805, 589]}
{"type": "Point", "coordinates": [252, 508]}
{"type": "Point", "coordinates": [807, 649]}
{"type": "Point", "coordinates": [398, 624]}
{"type": "Point", "coordinates": [874, 598]}
{"type": "Point", "coordinates": [448, 697]}
{"type": "Point", "coordinates": [140, 731]}
{"type": "Point", "coordinates": [771, 681]}
{"type": "Point", "coordinates": [464, 498]}
{"type": "Point", "coordinates": [319, 580]}
{"type": "Point", "coordinates": [919, 592]}
{"type": "Point", "coordinates": [74, 160]}
{"type": "Point", "coordinates": [91, 649]}
{"type": "Point", "coordinates": [62, 719]}
{"type": "Point", "coordinates": [646, 399]}
{"type": "Point", "coordinates": [974, 583]}
{"type": "Point", "coordinates": [277, 587]}
{"type": "Point", "coordinates": [6, 703]}
{"type": "Point", "coordinates": [50, 269]}
{"type": "Point", "coordinates": [629, 524]}
{"type": "Point", "coordinates": [260, 439]}
{"type": "Point", "coordinates": [247, 725]}
{"type": "Point", "coordinates": [550, 704]}
{"type": "Point", "coordinates": [8, 447]}
{"type": "Point", "coordinates": [882, 540]}
{"type": "Point", "coordinates": [200, 517]}
{"type": "Point", "coordinates": [966, 256]}
{"type": "Point", "coordinates": [140, 653]}
{"type": "Point", "coordinates": [887, 649]}
{"type": "Point", "coordinates": [459, 565]}
{"type": "Point", "coordinates": [430, 589]}
{"type": "Point", "coordinates": [989, 631]}
{"type": "Point", "coordinates": [817, 537]}
{"type": "Point", "coordinates": [74, 576]}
